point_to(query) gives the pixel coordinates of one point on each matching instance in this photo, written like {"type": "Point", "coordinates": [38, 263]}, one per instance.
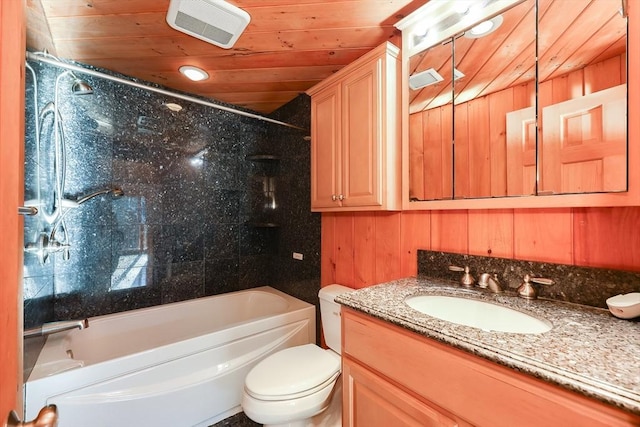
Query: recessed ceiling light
{"type": "Point", "coordinates": [194, 73]}
{"type": "Point", "coordinates": [484, 28]}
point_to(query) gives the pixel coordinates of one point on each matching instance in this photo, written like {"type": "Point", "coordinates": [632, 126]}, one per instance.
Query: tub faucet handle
{"type": "Point", "coordinates": [467, 279]}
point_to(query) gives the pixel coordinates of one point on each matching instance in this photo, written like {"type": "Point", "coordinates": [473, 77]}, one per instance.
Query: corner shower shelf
{"type": "Point", "coordinates": [264, 206]}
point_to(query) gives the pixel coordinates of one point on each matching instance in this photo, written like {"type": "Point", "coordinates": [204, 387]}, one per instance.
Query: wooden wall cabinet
{"type": "Point", "coordinates": [355, 135]}
{"type": "Point", "coordinates": [393, 377]}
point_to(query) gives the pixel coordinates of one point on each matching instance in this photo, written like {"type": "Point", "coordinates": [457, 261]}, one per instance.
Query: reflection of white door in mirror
{"type": "Point", "coordinates": [584, 144]}
{"type": "Point", "coordinates": [521, 152]}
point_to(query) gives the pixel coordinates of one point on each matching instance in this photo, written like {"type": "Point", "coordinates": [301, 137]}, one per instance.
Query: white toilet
{"type": "Point", "coordinates": [294, 386]}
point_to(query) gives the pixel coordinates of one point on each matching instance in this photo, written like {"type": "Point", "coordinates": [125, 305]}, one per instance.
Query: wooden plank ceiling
{"type": "Point", "coordinates": [289, 45]}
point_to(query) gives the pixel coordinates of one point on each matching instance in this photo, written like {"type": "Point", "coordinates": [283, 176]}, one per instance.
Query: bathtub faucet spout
{"type": "Point", "coordinates": [54, 327]}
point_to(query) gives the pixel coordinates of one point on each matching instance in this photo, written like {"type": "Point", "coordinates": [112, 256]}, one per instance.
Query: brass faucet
{"type": "Point", "coordinates": [488, 281]}
{"type": "Point", "coordinates": [467, 279]}
{"type": "Point", "coordinates": [527, 290]}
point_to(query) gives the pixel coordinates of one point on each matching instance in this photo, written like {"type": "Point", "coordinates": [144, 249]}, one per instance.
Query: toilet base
{"type": "Point", "coordinates": [330, 417]}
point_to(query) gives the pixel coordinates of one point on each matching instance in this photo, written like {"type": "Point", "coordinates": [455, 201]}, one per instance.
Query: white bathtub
{"type": "Point", "coordinates": [175, 365]}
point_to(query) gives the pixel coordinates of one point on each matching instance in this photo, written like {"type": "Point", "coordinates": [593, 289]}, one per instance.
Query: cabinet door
{"type": "Point", "coordinates": [370, 401]}
{"type": "Point", "coordinates": [325, 148]}
{"type": "Point", "coordinates": [361, 143]}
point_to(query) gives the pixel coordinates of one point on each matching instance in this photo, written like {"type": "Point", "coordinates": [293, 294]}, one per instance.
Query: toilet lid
{"type": "Point", "coordinates": [293, 372]}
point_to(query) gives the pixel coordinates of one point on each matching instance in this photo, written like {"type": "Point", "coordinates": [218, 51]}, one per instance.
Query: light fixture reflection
{"type": "Point", "coordinates": [173, 106]}
{"type": "Point", "coordinates": [484, 28]}
{"type": "Point", "coordinates": [194, 73]}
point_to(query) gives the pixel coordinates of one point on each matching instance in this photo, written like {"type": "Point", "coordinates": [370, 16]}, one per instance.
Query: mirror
{"type": "Point", "coordinates": [472, 103]}
{"type": "Point", "coordinates": [582, 97]}
{"type": "Point", "coordinates": [499, 78]}
{"type": "Point", "coordinates": [431, 124]}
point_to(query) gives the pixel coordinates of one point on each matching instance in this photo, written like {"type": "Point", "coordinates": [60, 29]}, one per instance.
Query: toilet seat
{"type": "Point", "coordinates": [293, 373]}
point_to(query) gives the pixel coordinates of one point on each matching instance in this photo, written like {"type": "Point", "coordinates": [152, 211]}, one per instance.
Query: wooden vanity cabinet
{"type": "Point", "coordinates": [355, 135]}
{"type": "Point", "coordinates": [394, 377]}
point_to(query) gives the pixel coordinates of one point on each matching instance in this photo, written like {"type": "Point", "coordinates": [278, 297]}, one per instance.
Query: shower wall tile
{"type": "Point", "coordinates": [182, 243]}
{"type": "Point", "coordinates": [222, 275]}
{"type": "Point", "coordinates": [180, 281]}
{"type": "Point", "coordinates": [131, 299]}
{"type": "Point", "coordinates": [221, 206]}
{"type": "Point", "coordinates": [221, 241]}
{"type": "Point", "coordinates": [254, 270]}
{"type": "Point", "coordinates": [181, 230]}
{"type": "Point", "coordinates": [258, 240]}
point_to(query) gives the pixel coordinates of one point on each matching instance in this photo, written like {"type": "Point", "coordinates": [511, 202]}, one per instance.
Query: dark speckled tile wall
{"type": "Point", "coordinates": [181, 229]}
{"type": "Point", "coordinates": [580, 285]}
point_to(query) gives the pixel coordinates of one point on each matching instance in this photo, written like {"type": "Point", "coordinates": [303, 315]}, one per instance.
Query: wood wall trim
{"type": "Point", "coordinates": [12, 56]}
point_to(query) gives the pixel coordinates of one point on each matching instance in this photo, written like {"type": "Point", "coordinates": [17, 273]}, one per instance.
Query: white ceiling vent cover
{"type": "Point", "coordinates": [424, 78]}
{"type": "Point", "coordinates": [214, 21]}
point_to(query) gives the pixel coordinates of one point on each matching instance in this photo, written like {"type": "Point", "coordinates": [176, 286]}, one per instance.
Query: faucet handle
{"type": "Point", "coordinates": [467, 279]}
{"type": "Point", "coordinates": [527, 290]}
{"type": "Point", "coordinates": [542, 280]}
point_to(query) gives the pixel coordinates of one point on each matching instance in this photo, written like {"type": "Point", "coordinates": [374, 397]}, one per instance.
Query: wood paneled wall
{"type": "Point", "coordinates": [365, 248]}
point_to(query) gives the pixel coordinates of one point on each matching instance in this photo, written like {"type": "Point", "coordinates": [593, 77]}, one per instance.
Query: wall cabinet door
{"type": "Point", "coordinates": [355, 139]}
{"type": "Point", "coordinates": [325, 148]}
{"type": "Point", "coordinates": [361, 138]}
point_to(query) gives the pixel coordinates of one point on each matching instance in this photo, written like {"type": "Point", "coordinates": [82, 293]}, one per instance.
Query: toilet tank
{"type": "Point", "coordinates": [330, 315]}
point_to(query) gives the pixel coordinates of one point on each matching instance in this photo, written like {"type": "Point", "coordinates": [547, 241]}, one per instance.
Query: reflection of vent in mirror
{"type": "Point", "coordinates": [214, 21]}
{"type": "Point", "coordinates": [424, 78]}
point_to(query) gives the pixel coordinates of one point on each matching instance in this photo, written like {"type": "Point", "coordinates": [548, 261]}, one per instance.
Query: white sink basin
{"type": "Point", "coordinates": [478, 314]}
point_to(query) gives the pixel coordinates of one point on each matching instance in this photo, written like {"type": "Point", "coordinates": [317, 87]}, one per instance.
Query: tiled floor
{"type": "Point", "coordinates": [238, 420]}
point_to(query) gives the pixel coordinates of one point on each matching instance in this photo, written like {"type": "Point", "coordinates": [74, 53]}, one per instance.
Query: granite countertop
{"type": "Point", "coordinates": [588, 350]}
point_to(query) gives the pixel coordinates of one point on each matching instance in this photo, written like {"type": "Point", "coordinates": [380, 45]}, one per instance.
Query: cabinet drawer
{"type": "Point", "coordinates": [479, 391]}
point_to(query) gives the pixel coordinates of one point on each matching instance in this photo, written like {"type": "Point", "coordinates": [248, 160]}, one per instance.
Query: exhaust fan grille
{"type": "Point", "coordinates": [424, 78]}
{"type": "Point", "coordinates": [213, 21]}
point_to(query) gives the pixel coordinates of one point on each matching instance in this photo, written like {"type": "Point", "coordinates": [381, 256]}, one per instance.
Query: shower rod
{"type": "Point", "coordinates": [76, 68]}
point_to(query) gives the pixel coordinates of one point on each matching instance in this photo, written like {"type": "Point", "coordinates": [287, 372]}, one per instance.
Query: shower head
{"type": "Point", "coordinates": [80, 87]}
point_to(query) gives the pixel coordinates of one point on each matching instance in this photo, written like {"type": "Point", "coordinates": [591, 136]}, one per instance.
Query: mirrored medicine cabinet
{"type": "Point", "coordinates": [518, 103]}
